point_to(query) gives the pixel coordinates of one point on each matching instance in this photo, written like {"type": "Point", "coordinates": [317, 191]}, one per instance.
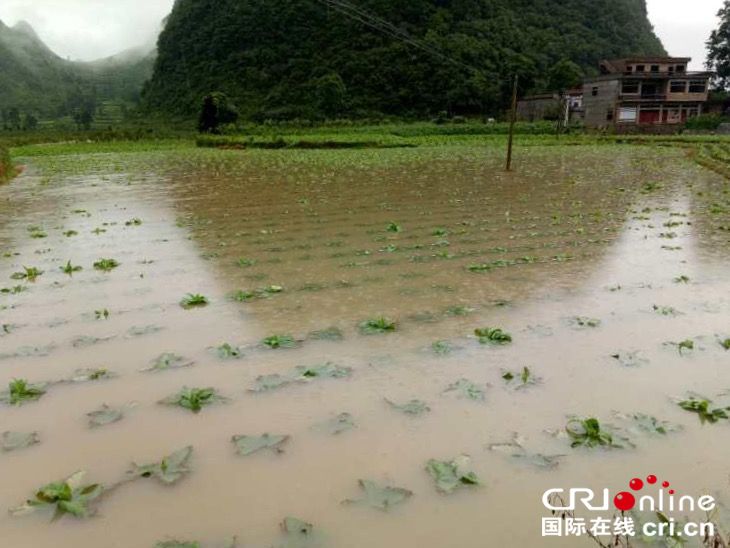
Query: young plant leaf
{"type": "Point", "coordinates": [450, 475]}
{"type": "Point", "coordinates": [464, 388]}
{"type": "Point", "coordinates": [166, 361]}
{"type": "Point", "coordinates": [169, 470]}
{"type": "Point", "coordinates": [381, 498]}
{"type": "Point", "coordinates": [247, 445]}
{"type": "Point", "coordinates": [493, 335]}
{"type": "Point", "coordinates": [377, 326]}
{"type": "Point", "coordinates": [20, 391]}
{"type": "Point", "coordinates": [413, 407]}
{"type": "Point", "coordinates": [194, 399]}
{"type": "Point", "coordinates": [12, 441]}
{"type": "Point", "coordinates": [67, 496]}
{"type": "Point", "coordinates": [105, 415]}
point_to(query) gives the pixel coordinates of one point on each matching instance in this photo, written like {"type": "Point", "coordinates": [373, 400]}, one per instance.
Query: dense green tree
{"type": "Point", "coordinates": [564, 75]}
{"type": "Point", "coordinates": [718, 49]}
{"type": "Point", "coordinates": [300, 58]}
{"type": "Point", "coordinates": [215, 112]}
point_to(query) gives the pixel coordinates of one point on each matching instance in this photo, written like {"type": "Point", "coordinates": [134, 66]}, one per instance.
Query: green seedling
{"type": "Point", "coordinates": [681, 279]}
{"type": "Point", "coordinates": [92, 374]}
{"type": "Point", "coordinates": [588, 433]}
{"type": "Point", "coordinates": [687, 344]}
{"type": "Point", "coordinates": [70, 233]}
{"type": "Point", "coordinates": [493, 335]}
{"type": "Point", "coordinates": [702, 408]}
{"type": "Point", "coordinates": [394, 227]}
{"type": "Point", "coordinates": [133, 222]}
{"type": "Point", "coordinates": [450, 475]}
{"type": "Point", "coordinates": [522, 379]}
{"type": "Point", "coordinates": [279, 341]}
{"type": "Point", "coordinates": [194, 399]}
{"type": "Point", "coordinates": [194, 300]}
{"type": "Point", "coordinates": [583, 321]}
{"type": "Point", "coordinates": [377, 326]}
{"type": "Point", "coordinates": [69, 269]}
{"type": "Point", "coordinates": [666, 310]}
{"type": "Point", "coordinates": [242, 296]}
{"type": "Point", "coordinates": [20, 391]}
{"type": "Point", "coordinates": [725, 343]}
{"type": "Point", "coordinates": [442, 348]}
{"type": "Point", "coordinates": [67, 496]}
{"type": "Point", "coordinates": [106, 265]}
{"type": "Point", "coordinates": [244, 263]}
{"type": "Point", "coordinates": [37, 232]}
{"type": "Point", "coordinates": [30, 273]}
{"type": "Point", "coordinates": [102, 314]}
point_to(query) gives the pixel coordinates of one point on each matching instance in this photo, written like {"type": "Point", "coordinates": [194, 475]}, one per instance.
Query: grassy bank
{"type": "Point", "coordinates": [7, 169]}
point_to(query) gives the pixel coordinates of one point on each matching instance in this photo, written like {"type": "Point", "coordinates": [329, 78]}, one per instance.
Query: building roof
{"type": "Point", "coordinates": [619, 65]}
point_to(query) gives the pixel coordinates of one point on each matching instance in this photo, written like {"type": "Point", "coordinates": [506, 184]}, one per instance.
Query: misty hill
{"type": "Point", "coordinates": [303, 58]}
{"type": "Point", "coordinates": [34, 80]}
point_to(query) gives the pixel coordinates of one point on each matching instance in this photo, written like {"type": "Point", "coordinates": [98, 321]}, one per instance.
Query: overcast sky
{"type": "Point", "coordinates": [90, 29]}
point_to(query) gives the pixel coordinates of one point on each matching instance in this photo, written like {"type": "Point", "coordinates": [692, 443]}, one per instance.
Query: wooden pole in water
{"type": "Point", "coordinates": [512, 120]}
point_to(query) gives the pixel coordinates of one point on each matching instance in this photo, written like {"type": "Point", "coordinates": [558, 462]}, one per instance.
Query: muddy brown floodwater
{"type": "Point", "coordinates": [574, 235]}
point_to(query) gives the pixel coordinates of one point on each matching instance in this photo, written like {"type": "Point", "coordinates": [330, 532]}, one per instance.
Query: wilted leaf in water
{"type": "Point", "coordinates": [67, 496]}
{"type": "Point", "coordinates": [522, 379]}
{"type": "Point", "coordinates": [413, 407]}
{"type": "Point", "coordinates": [449, 475]}
{"type": "Point", "coordinates": [442, 348]}
{"type": "Point", "coordinates": [630, 359]}
{"type": "Point", "coordinates": [325, 370]}
{"type": "Point", "coordinates": [382, 498]}
{"type": "Point", "coordinates": [138, 331]}
{"type": "Point", "coordinates": [650, 425]}
{"type": "Point", "coordinates": [12, 441]}
{"type": "Point", "coordinates": [299, 534]}
{"type": "Point", "coordinates": [104, 415]}
{"type": "Point", "coordinates": [466, 389]}
{"type": "Point", "coordinates": [341, 423]}
{"type": "Point", "coordinates": [168, 360]}
{"type": "Point", "coordinates": [247, 445]}
{"type": "Point", "coordinates": [194, 399]}
{"type": "Point", "coordinates": [266, 383]}
{"type": "Point", "coordinates": [21, 391]}
{"type": "Point", "coordinates": [84, 341]}
{"type": "Point", "coordinates": [228, 352]}
{"type": "Point", "coordinates": [91, 374]}
{"type": "Point", "coordinates": [329, 334]}
{"type": "Point", "coordinates": [169, 470]}
{"type": "Point", "coordinates": [584, 321]}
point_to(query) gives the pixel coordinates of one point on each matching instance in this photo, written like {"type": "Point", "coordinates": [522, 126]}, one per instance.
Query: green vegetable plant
{"type": "Point", "coordinates": [169, 470]}
{"type": "Point", "coordinates": [451, 475]}
{"type": "Point", "coordinates": [377, 325]}
{"type": "Point", "coordinates": [69, 269]}
{"type": "Point", "coordinates": [30, 273]}
{"type": "Point", "coordinates": [20, 391]}
{"type": "Point", "coordinates": [588, 433]}
{"type": "Point", "coordinates": [279, 341]}
{"type": "Point", "coordinates": [194, 300]}
{"type": "Point", "coordinates": [106, 265]}
{"type": "Point", "coordinates": [703, 410]}
{"type": "Point", "coordinates": [194, 399]}
{"type": "Point", "coordinates": [493, 335]}
{"type": "Point", "coordinates": [69, 496]}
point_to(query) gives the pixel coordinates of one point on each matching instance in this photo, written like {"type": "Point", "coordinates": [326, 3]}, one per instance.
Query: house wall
{"type": "Point", "coordinates": [597, 107]}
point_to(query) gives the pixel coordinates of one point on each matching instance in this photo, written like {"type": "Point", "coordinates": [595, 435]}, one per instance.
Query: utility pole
{"type": "Point", "coordinates": [512, 120]}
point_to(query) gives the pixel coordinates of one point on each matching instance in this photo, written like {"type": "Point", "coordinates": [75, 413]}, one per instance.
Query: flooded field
{"type": "Point", "coordinates": [414, 318]}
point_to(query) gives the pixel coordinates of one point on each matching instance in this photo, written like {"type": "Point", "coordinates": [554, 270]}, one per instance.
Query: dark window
{"type": "Point", "coordinates": [609, 115]}
{"type": "Point", "coordinates": [680, 68]}
{"type": "Point", "coordinates": [671, 69]}
{"type": "Point", "coordinates": [678, 86]}
{"type": "Point", "coordinates": [697, 86]}
{"type": "Point", "coordinates": [630, 87]}
{"type": "Point", "coordinates": [629, 68]}
{"type": "Point", "coordinates": [655, 68]}
{"type": "Point", "coordinates": [640, 68]}
{"type": "Point", "coordinates": [594, 91]}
